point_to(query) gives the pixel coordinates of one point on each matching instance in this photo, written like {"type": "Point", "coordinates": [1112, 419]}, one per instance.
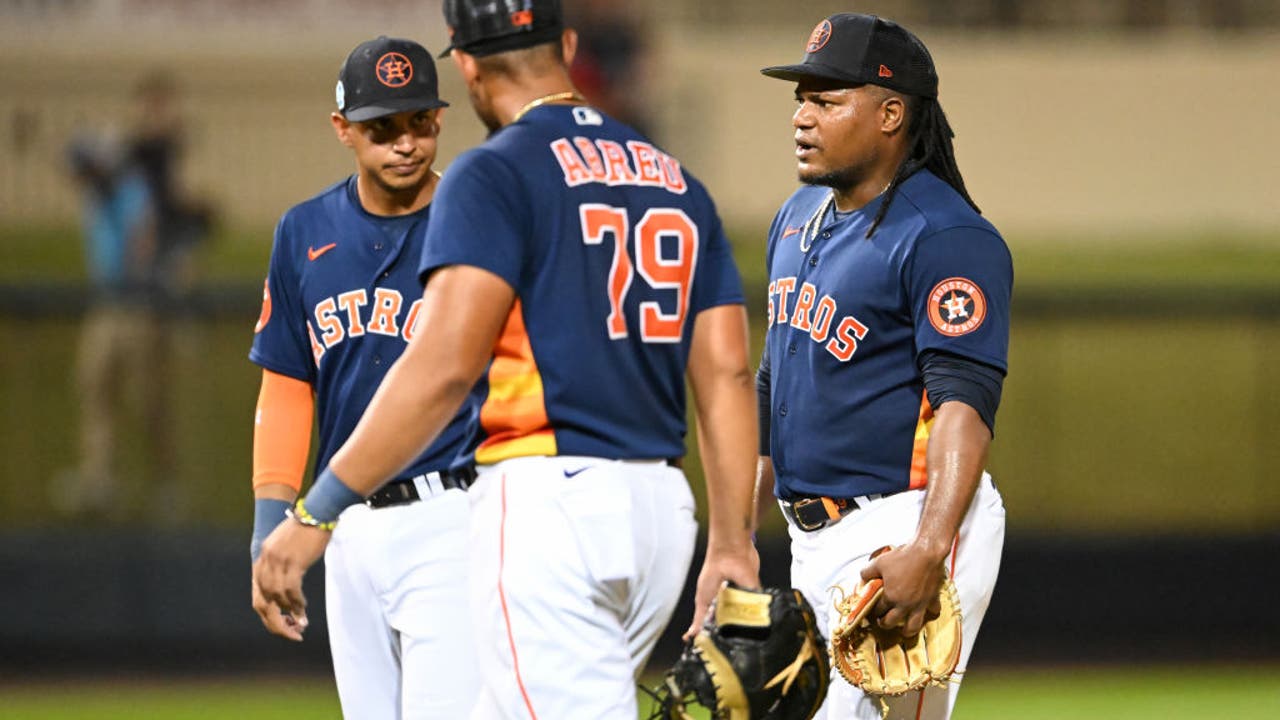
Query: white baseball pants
{"type": "Point", "coordinates": [836, 555]}
{"type": "Point", "coordinates": [396, 601]}
{"type": "Point", "coordinates": [577, 564]}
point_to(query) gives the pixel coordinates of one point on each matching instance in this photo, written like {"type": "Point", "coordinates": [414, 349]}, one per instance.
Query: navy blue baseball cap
{"type": "Point", "coordinates": [486, 27]}
{"type": "Point", "coordinates": [385, 76]}
{"type": "Point", "coordinates": [864, 50]}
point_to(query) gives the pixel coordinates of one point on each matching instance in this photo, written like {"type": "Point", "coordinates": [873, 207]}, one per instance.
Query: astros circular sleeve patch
{"type": "Point", "coordinates": [956, 307]}
{"type": "Point", "coordinates": [265, 315]}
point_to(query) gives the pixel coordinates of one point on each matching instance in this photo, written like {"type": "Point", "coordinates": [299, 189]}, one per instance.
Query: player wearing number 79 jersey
{"type": "Point", "coordinates": [616, 256]}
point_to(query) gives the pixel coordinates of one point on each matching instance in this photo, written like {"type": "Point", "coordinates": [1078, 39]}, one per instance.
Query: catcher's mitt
{"type": "Point", "coordinates": [882, 662]}
{"type": "Point", "coordinates": [759, 656]}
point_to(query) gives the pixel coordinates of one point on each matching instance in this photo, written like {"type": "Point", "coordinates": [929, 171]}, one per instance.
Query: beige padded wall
{"type": "Point", "coordinates": [1088, 137]}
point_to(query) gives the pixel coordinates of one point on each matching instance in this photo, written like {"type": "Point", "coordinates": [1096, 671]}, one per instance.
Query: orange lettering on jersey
{"type": "Point", "coordinates": [575, 170]}
{"type": "Point", "coordinates": [804, 305]}
{"type": "Point", "coordinates": [317, 350]}
{"type": "Point", "coordinates": [592, 156]}
{"type": "Point", "coordinates": [351, 301]}
{"type": "Point", "coordinates": [331, 328]}
{"type": "Point", "coordinates": [615, 159]}
{"type": "Point", "coordinates": [822, 319]}
{"type": "Point", "coordinates": [845, 343]}
{"type": "Point", "coordinates": [645, 157]}
{"type": "Point", "coordinates": [386, 308]}
{"type": "Point", "coordinates": [664, 273]}
{"type": "Point", "coordinates": [769, 317]}
{"type": "Point", "coordinates": [672, 176]}
{"type": "Point", "coordinates": [411, 322]}
{"type": "Point", "coordinates": [784, 287]}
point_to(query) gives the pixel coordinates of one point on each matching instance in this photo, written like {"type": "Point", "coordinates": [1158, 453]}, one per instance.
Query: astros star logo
{"type": "Point", "coordinates": [394, 70]}
{"type": "Point", "coordinates": [956, 307]}
{"type": "Point", "coordinates": [819, 37]}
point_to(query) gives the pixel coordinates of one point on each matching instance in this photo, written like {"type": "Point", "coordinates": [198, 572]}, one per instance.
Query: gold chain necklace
{"type": "Point", "coordinates": [554, 97]}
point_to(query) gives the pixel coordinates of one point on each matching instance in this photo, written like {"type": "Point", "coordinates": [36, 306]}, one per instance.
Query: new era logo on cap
{"type": "Point", "coordinates": [864, 49]}
{"type": "Point", "coordinates": [385, 76]}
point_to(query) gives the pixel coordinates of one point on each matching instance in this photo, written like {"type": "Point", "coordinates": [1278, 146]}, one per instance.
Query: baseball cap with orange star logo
{"type": "Point", "coordinates": [385, 76]}
{"type": "Point", "coordinates": [858, 49]}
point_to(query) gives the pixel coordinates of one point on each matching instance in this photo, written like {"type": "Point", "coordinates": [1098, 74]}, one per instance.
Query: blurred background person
{"type": "Point", "coordinates": [119, 333]}
{"type": "Point", "coordinates": [156, 149]}
{"type": "Point", "coordinates": [156, 143]}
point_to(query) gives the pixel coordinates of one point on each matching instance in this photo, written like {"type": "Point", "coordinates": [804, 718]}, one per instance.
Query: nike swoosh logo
{"type": "Point", "coordinates": [313, 253]}
{"type": "Point", "coordinates": [570, 474]}
{"type": "Point", "coordinates": [789, 232]}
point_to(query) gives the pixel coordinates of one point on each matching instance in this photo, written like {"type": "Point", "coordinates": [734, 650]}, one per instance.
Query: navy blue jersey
{"type": "Point", "coordinates": [339, 306]}
{"type": "Point", "coordinates": [848, 319]}
{"type": "Point", "coordinates": [612, 250]}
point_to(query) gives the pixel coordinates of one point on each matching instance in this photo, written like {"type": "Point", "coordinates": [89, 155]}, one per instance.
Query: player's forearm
{"type": "Point", "coordinates": [463, 312]}
{"type": "Point", "coordinates": [957, 455]}
{"type": "Point", "coordinates": [764, 488]}
{"type": "Point", "coordinates": [724, 393]}
{"type": "Point", "coordinates": [281, 443]}
{"type": "Point", "coordinates": [281, 436]}
{"type": "Point", "coordinates": [726, 442]}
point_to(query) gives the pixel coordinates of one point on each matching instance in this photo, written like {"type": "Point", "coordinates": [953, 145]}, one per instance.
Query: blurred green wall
{"type": "Point", "coordinates": [1142, 406]}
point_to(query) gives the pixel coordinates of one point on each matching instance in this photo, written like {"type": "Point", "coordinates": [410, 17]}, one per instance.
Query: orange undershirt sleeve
{"type": "Point", "coordinates": [282, 430]}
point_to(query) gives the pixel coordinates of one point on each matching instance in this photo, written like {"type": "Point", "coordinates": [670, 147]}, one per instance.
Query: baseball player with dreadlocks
{"type": "Point", "coordinates": [886, 349]}
{"type": "Point", "coordinates": [340, 304]}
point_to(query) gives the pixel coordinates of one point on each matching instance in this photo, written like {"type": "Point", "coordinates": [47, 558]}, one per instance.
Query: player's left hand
{"type": "Point", "coordinates": [287, 553]}
{"type": "Point", "coordinates": [912, 577]}
{"type": "Point", "coordinates": [741, 564]}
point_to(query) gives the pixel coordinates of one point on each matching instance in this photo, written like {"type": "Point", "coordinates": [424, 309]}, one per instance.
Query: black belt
{"type": "Point", "coordinates": [405, 490]}
{"type": "Point", "coordinates": [815, 513]}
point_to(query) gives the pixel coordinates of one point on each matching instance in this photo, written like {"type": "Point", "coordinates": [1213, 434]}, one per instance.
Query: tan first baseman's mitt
{"type": "Point", "coordinates": [882, 662]}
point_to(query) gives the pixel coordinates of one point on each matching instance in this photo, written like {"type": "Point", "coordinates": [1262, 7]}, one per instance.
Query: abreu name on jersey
{"type": "Point", "coordinates": [585, 160]}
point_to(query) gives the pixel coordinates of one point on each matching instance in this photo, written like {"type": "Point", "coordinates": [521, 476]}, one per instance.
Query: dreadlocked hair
{"type": "Point", "coordinates": [930, 135]}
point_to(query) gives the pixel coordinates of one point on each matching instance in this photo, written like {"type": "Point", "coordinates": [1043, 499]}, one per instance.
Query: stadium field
{"type": "Point", "coordinates": [1071, 693]}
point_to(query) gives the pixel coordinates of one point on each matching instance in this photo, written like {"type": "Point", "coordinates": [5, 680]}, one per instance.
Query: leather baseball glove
{"type": "Point", "coordinates": [758, 656]}
{"type": "Point", "coordinates": [882, 662]}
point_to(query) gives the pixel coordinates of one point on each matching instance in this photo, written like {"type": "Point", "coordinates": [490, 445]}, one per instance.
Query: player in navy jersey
{"type": "Point", "coordinates": [886, 349]}
{"type": "Point", "coordinates": [581, 274]}
{"type": "Point", "coordinates": [340, 304]}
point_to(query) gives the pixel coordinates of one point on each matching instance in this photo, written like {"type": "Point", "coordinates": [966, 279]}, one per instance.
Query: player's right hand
{"type": "Point", "coordinates": [273, 618]}
{"type": "Point", "coordinates": [740, 563]}
{"type": "Point", "coordinates": [287, 553]}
